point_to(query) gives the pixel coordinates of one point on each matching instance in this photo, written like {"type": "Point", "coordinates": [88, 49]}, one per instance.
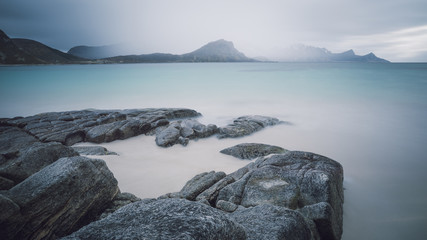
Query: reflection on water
{"type": "Point", "coordinates": [368, 117]}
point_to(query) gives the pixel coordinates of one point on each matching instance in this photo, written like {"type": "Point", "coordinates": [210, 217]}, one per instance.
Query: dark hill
{"type": "Point", "coordinates": [96, 52]}
{"type": "Point", "coordinates": [10, 53]}
{"type": "Point", "coordinates": [45, 53]}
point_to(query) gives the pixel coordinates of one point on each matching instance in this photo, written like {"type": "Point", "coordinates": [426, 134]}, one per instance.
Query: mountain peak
{"type": "Point", "coordinates": [217, 51]}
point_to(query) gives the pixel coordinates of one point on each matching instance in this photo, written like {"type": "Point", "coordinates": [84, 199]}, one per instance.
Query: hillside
{"type": "Point", "coordinates": [10, 53]}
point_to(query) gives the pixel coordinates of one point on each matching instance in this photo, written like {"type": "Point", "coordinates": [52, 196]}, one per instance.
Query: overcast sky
{"type": "Point", "coordinates": [392, 29]}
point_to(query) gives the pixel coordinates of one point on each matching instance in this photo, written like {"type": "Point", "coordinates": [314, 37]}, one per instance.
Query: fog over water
{"type": "Point", "coordinates": [368, 117]}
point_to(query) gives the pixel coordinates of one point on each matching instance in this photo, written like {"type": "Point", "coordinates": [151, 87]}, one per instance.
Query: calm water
{"type": "Point", "coordinates": [372, 118]}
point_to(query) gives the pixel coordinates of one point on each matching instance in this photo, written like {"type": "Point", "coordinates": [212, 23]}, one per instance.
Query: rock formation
{"type": "Point", "coordinates": [48, 191]}
{"type": "Point", "coordinates": [252, 150]}
{"type": "Point", "coordinates": [305, 186]}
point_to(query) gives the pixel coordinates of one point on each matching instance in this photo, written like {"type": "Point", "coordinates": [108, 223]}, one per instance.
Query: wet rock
{"type": "Point", "coordinates": [163, 219]}
{"type": "Point", "coordinates": [246, 125]}
{"type": "Point", "coordinates": [93, 150]}
{"type": "Point", "coordinates": [252, 150]}
{"type": "Point", "coordinates": [59, 199]}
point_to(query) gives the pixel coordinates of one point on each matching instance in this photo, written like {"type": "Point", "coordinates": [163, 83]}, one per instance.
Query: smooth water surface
{"type": "Point", "coordinates": [372, 118]}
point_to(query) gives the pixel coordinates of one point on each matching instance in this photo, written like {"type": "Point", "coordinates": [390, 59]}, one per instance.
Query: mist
{"type": "Point", "coordinates": [256, 28]}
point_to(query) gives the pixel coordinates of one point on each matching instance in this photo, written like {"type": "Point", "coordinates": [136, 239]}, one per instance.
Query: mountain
{"type": "Point", "coordinates": [217, 51]}
{"type": "Point", "coordinates": [44, 53]}
{"type": "Point", "coordinates": [303, 53]}
{"type": "Point", "coordinates": [96, 52]}
{"type": "Point", "coordinates": [10, 53]}
{"type": "Point", "coordinates": [25, 51]}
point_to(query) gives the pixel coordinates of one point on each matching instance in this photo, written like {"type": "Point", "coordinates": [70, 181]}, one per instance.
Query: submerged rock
{"type": "Point", "coordinates": [252, 150]}
{"type": "Point", "coordinates": [163, 219]}
{"type": "Point", "coordinates": [246, 125]}
{"type": "Point", "coordinates": [58, 199]}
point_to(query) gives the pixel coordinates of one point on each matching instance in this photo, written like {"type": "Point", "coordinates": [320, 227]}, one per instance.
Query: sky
{"type": "Point", "coordinates": [393, 29]}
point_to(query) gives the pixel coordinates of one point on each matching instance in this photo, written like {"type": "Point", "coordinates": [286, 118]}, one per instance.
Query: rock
{"type": "Point", "coordinates": [295, 180]}
{"type": "Point", "coordinates": [163, 219]}
{"type": "Point", "coordinates": [93, 150]}
{"type": "Point", "coordinates": [211, 193]}
{"type": "Point", "coordinates": [252, 150]}
{"type": "Point", "coordinates": [182, 131]}
{"type": "Point", "coordinates": [193, 129]}
{"type": "Point", "coordinates": [200, 183]}
{"type": "Point", "coordinates": [7, 208]}
{"type": "Point", "coordinates": [23, 155]}
{"type": "Point", "coordinates": [96, 126]}
{"type": "Point", "coordinates": [322, 215]}
{"type": "Point", "coordinates": [120, 200]}
{"type": "Point", "coordinates": [226, 206]}
{"type": "Point", "coordinates": [246, 125]}
{"type": "Point", "coordinates": [271, 222]}
{"type": "Point", "coordinates": [168, 137]}
{"type": "Point", "coordinates": [59, 199]}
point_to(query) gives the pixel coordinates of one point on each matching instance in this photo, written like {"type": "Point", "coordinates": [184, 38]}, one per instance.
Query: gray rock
{"type": "Point", "coordinates": [121, 200]}
{"type": "Point", "coordinates": [272, 223]}
{"type": "Point", "coordinates": [324, 217]}
{"type": "Point", "coordinates": [7, 208]}
{"type": "Point", "coordinates": [246, 125]}
{"type": "Point", "coordinates": [168, 137]}
{"type": "Point", "coordinates": [226, 206]}
{"type": "Point", "coordinates": [93, 150]}
{"type": "Point", "coordinates": [163, 219]}
{"type": "Point", "coordinates": [212, 192]}
{"type": "Point", "coordinates": [293, 180]}
{"type": "Point", "coordinates": [200, 183]}
{"type": "Point", "coordinates": [59, 199]}
{"type": "Point", "coordinates": [22, 155]}
{"type": "Point", "coordinates": [97, 126]}
{"type": "Point", "coordinates": [252, 150]}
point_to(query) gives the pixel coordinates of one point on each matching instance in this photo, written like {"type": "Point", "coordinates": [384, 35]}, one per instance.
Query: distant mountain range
{"type": "Point", "coordinates": [303, 53]}
{"type": "Point", "coordinates": [25, 51]}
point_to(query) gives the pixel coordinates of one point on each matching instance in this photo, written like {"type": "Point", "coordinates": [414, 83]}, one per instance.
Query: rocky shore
{"type": "Point", "coordinates": [49, 191]}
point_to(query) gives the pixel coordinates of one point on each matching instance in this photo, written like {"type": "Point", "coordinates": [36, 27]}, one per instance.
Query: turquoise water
{"type": "Point", "coordinates": [369, 117]}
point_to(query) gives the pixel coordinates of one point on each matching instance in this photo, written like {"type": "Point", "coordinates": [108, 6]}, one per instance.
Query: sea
{"type": "Point", "coordinates": [370, 117]}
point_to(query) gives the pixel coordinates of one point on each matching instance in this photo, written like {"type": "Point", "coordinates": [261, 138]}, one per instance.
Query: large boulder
{"type": "Point", "coordinates": [163, 219]}
{"type": "Point", "coordinates": [57, 200]}
{"type": "Point", "coordinates": [246, 125]}
{"type": "Point", "coordinates": [22, 155]}
{"type": "Point", "coordinates": [252, 150]}
{"type": "Point", "coordinates": [295, 184]}
{"type": "Point", "coordinates": [269, 222]}
{"type": "Point", "coordinates": [295, 180]}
